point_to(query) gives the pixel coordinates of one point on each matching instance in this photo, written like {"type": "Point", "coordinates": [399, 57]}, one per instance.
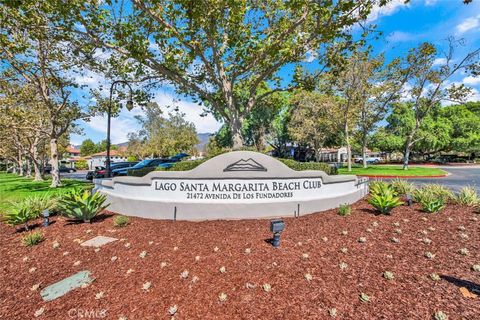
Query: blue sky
{"type": "Point", "coordinates": [403, 27]}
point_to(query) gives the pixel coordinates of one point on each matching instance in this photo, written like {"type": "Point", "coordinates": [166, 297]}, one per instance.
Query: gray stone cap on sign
{"type": "Point", "coordinates": [234, 165]}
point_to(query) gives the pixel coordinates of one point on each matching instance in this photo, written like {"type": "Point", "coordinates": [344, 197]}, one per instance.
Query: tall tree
{"type": "Point", "coordinates": [35, 53]}
{"type": "Point", "coordinates": [207, 48]}
{"type": "Point", "coordinates": [429, 84]}
{"type": "Point", "coordinates": [88, 147]}
{"type": "Point", "coordinates": [313, 120]}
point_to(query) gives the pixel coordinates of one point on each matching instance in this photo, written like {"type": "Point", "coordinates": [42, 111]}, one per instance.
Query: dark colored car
{"type": "Point", "coordinates": [150, 163]}
{"type": "Point", "coordinates": [114, 166]}
{"type": "Point", "coordinates": [91, 173]}
{"type": "Point", "coordinates": [62, 169]}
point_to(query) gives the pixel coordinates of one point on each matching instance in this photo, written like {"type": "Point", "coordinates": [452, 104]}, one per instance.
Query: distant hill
{"type": "Point", "coordinates": [203, 140]}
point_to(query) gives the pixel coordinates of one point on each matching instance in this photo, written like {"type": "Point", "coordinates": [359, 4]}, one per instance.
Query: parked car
{"type": "Point", "coordinates": [91, 173]}
{"type": "Point", "coordinates": [369, 160]}
{"type": "Point", "coordinates": [100, 174]}
{"type": "Point", "coordinates": [150, 163]}
{"type": "Point", "coordinates": [62, 169]}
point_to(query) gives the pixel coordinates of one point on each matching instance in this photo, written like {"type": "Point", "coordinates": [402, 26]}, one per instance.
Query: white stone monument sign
{"type": "Point", "coordinates": [235, 185]}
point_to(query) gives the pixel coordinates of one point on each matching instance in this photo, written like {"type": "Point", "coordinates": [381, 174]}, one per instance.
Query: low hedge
{"type": "Point", "coordinates": [295, 165]}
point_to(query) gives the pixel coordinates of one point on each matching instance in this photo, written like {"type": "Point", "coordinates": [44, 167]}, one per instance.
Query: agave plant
{"type": "Point", "coordinates": [384, 198]}
{"type": "Point", "coordinates": [82, 206]}
{"type": "Point", "coordinates": [20, 215]}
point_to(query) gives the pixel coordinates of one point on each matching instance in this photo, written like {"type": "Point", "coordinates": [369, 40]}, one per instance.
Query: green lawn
{"type": "Point", "coordinates": [15, 188]}
{"type": "Point", "coordinates": [391, 170]}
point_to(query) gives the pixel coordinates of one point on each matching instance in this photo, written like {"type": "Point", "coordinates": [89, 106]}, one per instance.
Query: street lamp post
{"type": "Point", "coordinates": [129, 107]}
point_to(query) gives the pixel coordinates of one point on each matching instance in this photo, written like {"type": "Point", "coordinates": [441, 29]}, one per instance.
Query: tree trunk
{"type": "Point", "coordinates": [28, 162]}
{"type": "Point", "coordinates": [20, 164]}
{"type": "Point", "coordinates": [54, 162]}
{"type": "Point", "coordinates": [236, 130]}
{"type": "Point", "coordinates": [406, 155]}
{"type": "Point", "coordinates": [36, 163]}
{"type": "Point", "coordinates": [349, 151]}
{"type": "Point", "coordinates": [364, 154]}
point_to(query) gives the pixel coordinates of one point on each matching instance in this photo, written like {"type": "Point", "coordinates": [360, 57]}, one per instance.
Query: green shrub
{"type": "Point", "coordinates": [378, 187]}
{"type": "Point", "coordinates": [402, 186]}
{"type": "Point", "coordinates": [183, 165]}
{"type": "Point", "coordinates": [32, 239]}
{"type": "Point", "coordinates": [344, 210]}
{"type": "Point", "coordinates": [432, 205]}
{"type": "Point", "coordinates": [467, 196]}
{"type": "Point", "coordinates": [139, 172]}
{"type": "Point", "coordinates": [121, 221]}
{"type": "Point", "coordinates": [132, 159]}
{"type": "Point", "coordinates": [383, 198]}
{"type": "Point", "coordinates": [81, 165]}
{"type": "Point", "coordinates": [295, 165]}
{"type": "Point", "coordinates": [302, 166]}
{"type": "Point", "coordinates": [30, 208]}
{"type": "Point", "coordinates": [82, 206]}
{"type": "Point", "coordinates": [432, 191]}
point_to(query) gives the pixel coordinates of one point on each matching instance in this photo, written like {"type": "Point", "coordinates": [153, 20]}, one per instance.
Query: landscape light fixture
{"type": "Point", "coordinates": [129, 106]}
{"type": "Point", "coordinates": [46, 215]}
{"type": "Point", "coordinates": [276, 226]}
{"type": "Point", "coordinates": [409, 200]}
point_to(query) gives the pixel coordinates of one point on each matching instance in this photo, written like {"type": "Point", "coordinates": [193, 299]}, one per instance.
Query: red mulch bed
{"type": "Point", "coordinates": [411, 295]}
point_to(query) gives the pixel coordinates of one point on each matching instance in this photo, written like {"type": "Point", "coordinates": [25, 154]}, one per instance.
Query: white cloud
{"type": "Point", "coordinates": [430, 2]}
{"type": "Point", "coordinates": [468, 24]}
{"type": "Point", "coordinates": [471, 81]}
{"type": "Point", "coordinates": [400, 36]}
{"type": "Point", "coordinates": [386, 10]}
{"type": "Point", "coordinates": [475, 96]}
{"type": "Point", "coordinates": [439, 61]}
{"type": "Point", "coordinates": [191, 110]}
{"type": "Point", "coordinates": [311, 56]}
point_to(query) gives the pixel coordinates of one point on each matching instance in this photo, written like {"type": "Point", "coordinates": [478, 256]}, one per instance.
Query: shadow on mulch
{"type": "Point", "coordinates": [32, 227]}
{"type": "Point", "coordinates": [471, 286]}
{"type": "Point", "coordinates": [370, 211]}
{"type": "Point", "coordinates": [100, 218]}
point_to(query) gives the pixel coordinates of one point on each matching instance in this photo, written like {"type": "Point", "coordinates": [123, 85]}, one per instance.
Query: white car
{"type": "Point", "coordinates": [369, 160]}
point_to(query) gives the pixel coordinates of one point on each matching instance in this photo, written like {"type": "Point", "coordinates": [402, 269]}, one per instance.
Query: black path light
{"type": "Point", "coordinates": [409, 200]}
{"type": "Point", "coordinates": [276, 226]}
{"type": "Point", "coordinates": [46, 219]}
{"type": "Point", "coordinates": [129, 107]}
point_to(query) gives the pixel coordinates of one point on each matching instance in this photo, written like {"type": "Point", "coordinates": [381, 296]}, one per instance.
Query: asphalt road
{"type": "Point", "coordinates": [459, 177]}
{"type": "Point", "coordinates": [79, 175]}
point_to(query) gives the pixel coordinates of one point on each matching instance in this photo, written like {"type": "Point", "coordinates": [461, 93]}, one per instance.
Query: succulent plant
{"type": "Point", "coordinates": [424, 232]}
{"type": "Point", "coordinates": [362, 239]}
{"type": "Point", "coordinates": [426, 240]}
{"type": "Point", "coordinates": [431, 228]}
{"type": "Point", "coordinates": [305, 256]}
{"type": "Point", "coordinates": [195, 279]}
{"type": "Point", "coordinates": [184, 274]}
{"type": "Point", "coordinates": [388, 275]}
{"type": "Point", "coordinates": [222, 297]}
{"type": "Point", "coordinates": [325, 239]}
{"type": "Point", "coordinates": [344, 232]}
{"type": "Point", "coordinates": [424, 218]}
{"type": "Point", "coordinates": [197, 258]}
{"type": "Point", "coordinates": [344, 250]}
{"type": "Point", "coordinates": [375, 223]}
{"type": "Point", "coordinates": [395, 240]}
{"type": "Point", "coordinates": [440, 315]}
{"type": "Point", "coordinates": [332, 312]}
{"type": "Point", "coordinates": [450, 219]}
{"type": "Point", "coordinates": [248, 251]}
{"type": "Point", "coordinates": [163, 264]}
{"type": "Point", "coordinates": [143, 254]}
{"type": "Point", "coordinates": [99, 295]}
{"type": "Point", "coordinates": [429, 255]}
{"type": "Point", "coordinates": [368, 230]}
{"type": "Point", "coordinates": [396, 224]}
{"type": "Point", "coordinates": [173, 310]}
{"type": "Point", "coordinates": [147, 285]}
{"type": "Point", "coordinates": [398, 231]}
{"type": "Point", "coordinates": [223, 269]}
{"type": "Point", "coordinates": [435, 277]}
{"type": "Point", "coordinates": [175, 248]}
{"type": "Point", "coordinates": [476, 267]}
{"type": "Point", "coordinates": [364, 297]}
{"type": "Point", "coordinates": [343, 266]}
{"type": "Point", "coordinates": [461, 228]}
{"type": "Point", "coordinates": [463, 252]}
{"type": "Point", "coordinates": [216, 249]}
{"type": "Point", "coordinates": [308, 277]}
{"type": "Point", "coordinates": [114, 258]}
{"type": "Point", "coordinates": [130, 271]}
{"type": "Point", "coordinates": [55, 245]}
{"type": "Point", "coordinates": [266, 287]}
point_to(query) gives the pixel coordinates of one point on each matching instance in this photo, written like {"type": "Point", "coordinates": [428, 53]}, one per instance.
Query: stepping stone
{"type": "Point", "coordinates": [98, 241]}
{"type": "Point", "coordinates": [66, 285]}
